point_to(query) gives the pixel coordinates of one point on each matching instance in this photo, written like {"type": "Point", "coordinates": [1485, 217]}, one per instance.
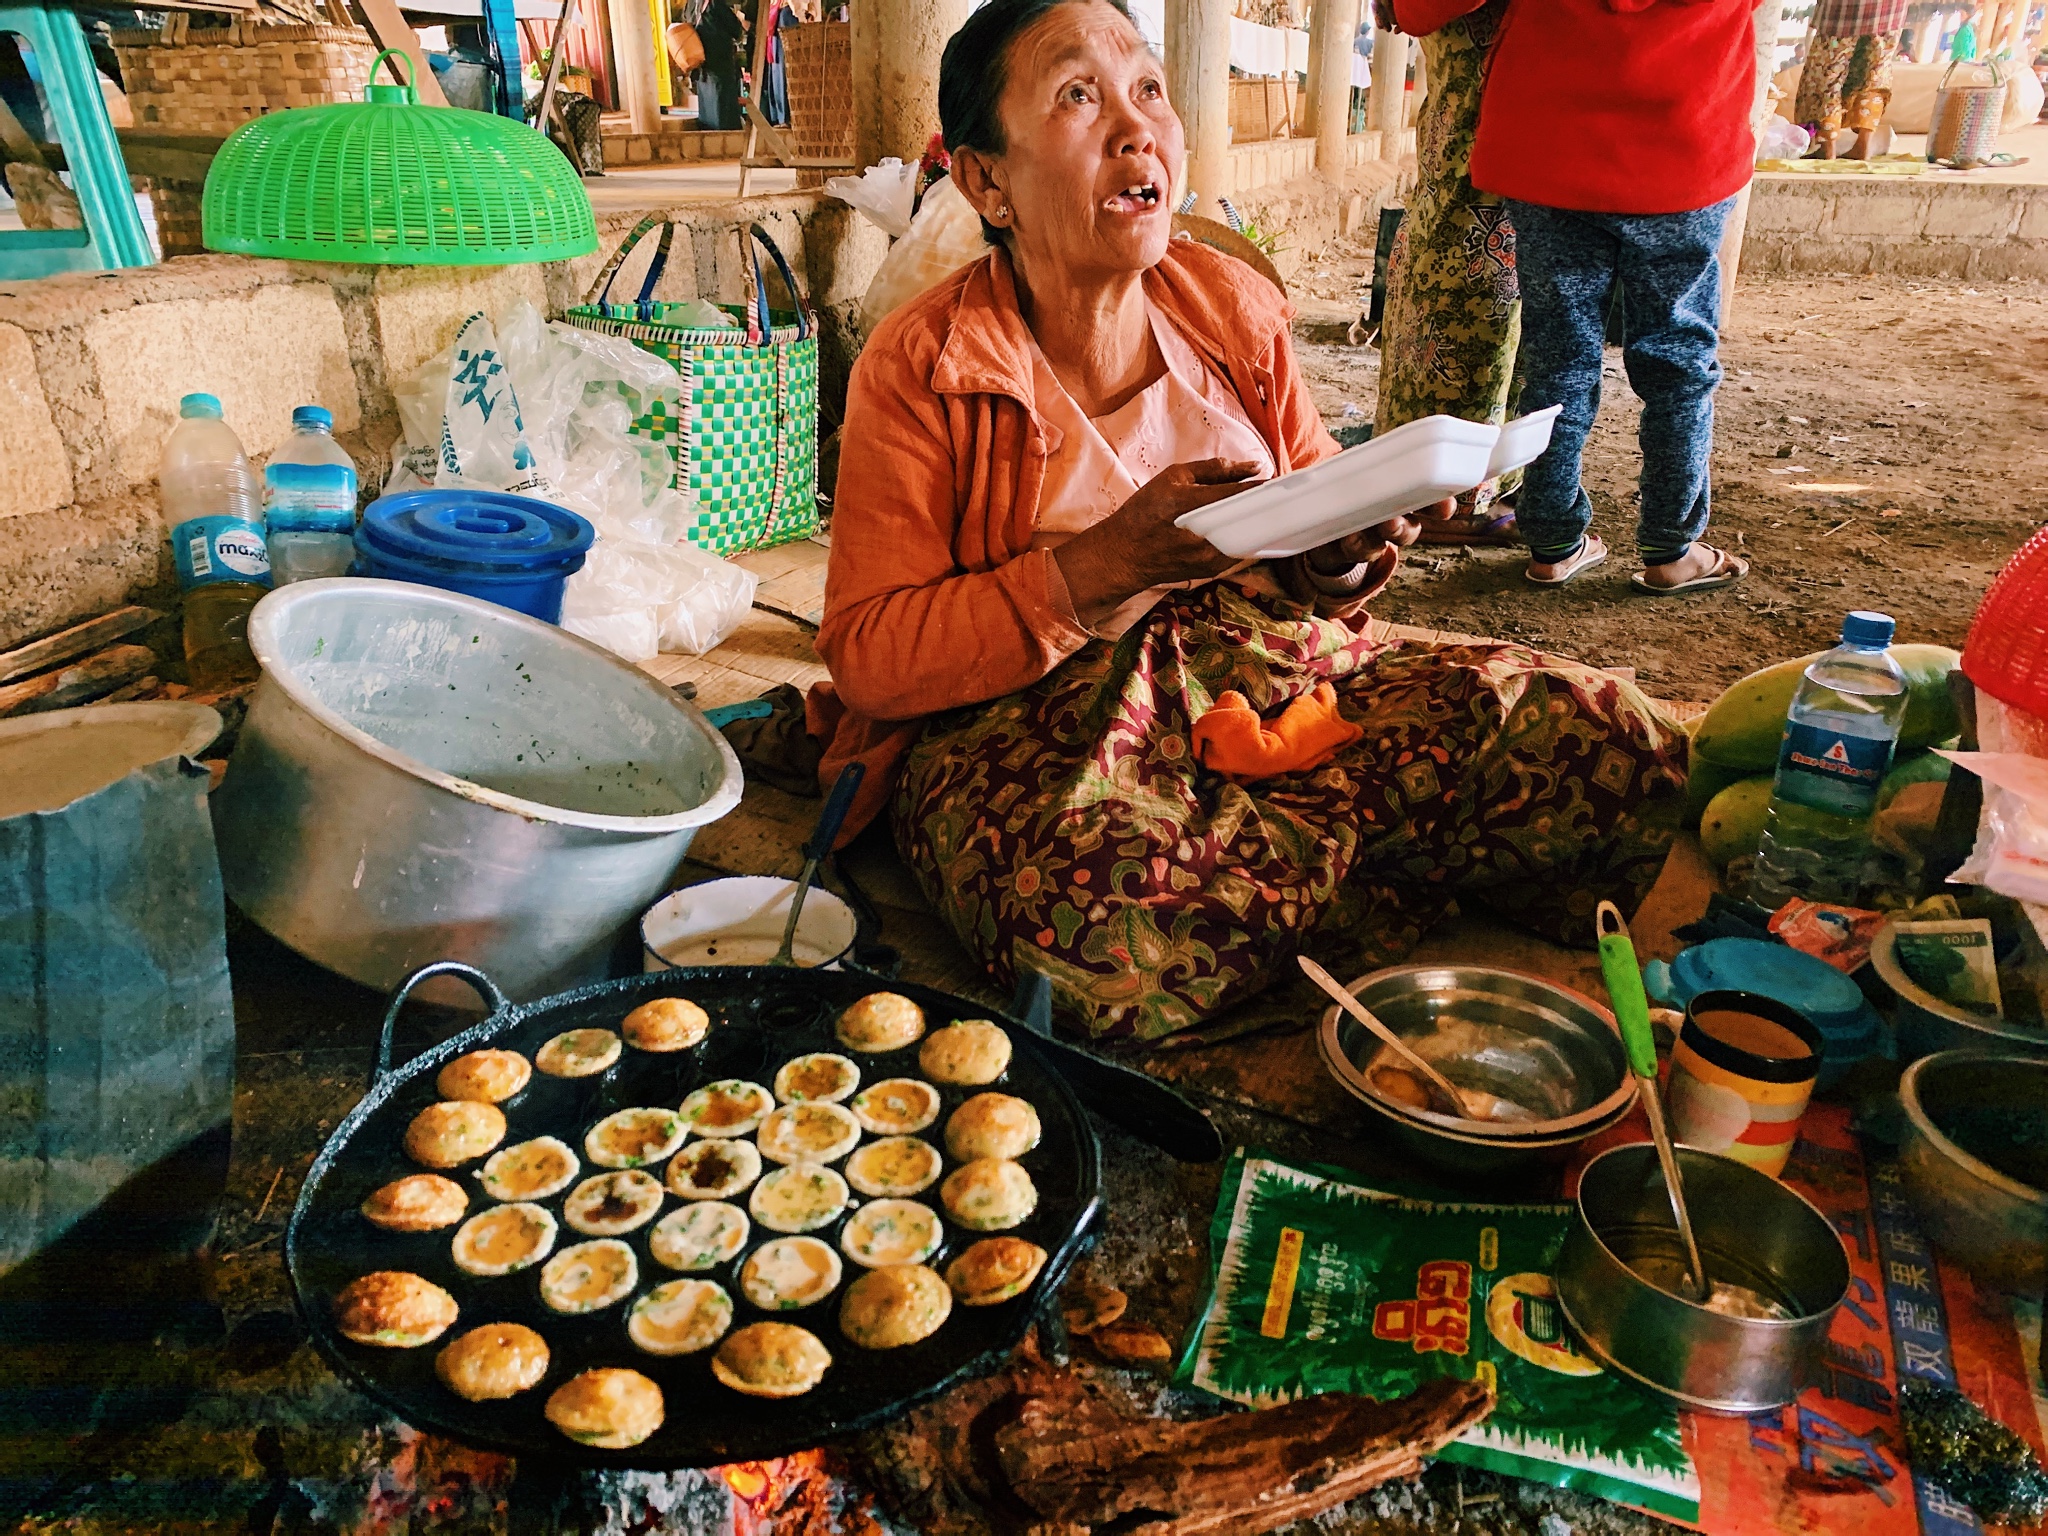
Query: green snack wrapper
{"type": "Point", "coordinates": [1321, 1285]}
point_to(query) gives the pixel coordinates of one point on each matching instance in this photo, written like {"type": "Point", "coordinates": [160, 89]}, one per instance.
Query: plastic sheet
{"type": "Point", "coordinates": [884, 193]}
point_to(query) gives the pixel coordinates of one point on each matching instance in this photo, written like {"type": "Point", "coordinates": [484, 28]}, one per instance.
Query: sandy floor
{"type": "Point", "coordinates": [1881, 444]}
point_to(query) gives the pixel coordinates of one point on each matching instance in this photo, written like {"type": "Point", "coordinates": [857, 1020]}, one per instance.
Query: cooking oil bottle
{"type": "Point", "coordinates": [211, 501]}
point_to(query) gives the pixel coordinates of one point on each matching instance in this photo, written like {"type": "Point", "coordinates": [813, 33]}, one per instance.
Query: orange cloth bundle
{"type": "Point", "coordinates": [1235, 742]}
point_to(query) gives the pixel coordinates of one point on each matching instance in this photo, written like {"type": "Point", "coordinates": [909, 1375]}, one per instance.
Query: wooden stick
{"type": "Point", "coordinates": [757, 124]}
{"type": "Point", "coordinates": [79, 683]}
{"type": "Point", "coordinates": [38, 655]}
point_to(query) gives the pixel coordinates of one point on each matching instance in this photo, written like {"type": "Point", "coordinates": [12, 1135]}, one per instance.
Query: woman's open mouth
{"type": "Point", "coordinates": [1141, 197]}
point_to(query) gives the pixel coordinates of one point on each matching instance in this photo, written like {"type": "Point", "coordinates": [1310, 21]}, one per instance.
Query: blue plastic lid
{"type": "Point", "coordinates": [1831, 1000]}
{"type": "Point", "coordinates": [200, 405]}
{"type": "Point", "coordinates": [313, 416]}
{"type": "Point", "coordinates": [1868, 629]}
{"type": "Point", "coordinates": [482, 531]}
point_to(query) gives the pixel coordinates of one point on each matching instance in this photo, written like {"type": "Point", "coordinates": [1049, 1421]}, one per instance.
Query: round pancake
{"type": "Point", "coordinates": [896, 1106]}
{"type": "Point", "coordinates": [771, 1360]}
{"type": "Point", "coordinates": [666, 1024]}
{"type": "Point", "coordinates": [714, 1170]}
{"type": "Point", "coordinates": [989, 1194]}
{"type": "Point", "coordinates": [881, 1021]}
{"type": "Point", "coordinates": [633, 1138]}
{"type": "Point", "coordinates": [808, 1133]}
{"type": "Point", "coordinates": [790, 1272]}
{"type": "Point", "coordinates": [610, 1408]}
{"type": "Point", "coordinates": [819, 1078]}
{"type": "Point", "coordinates": [589, 1277]}
{"type": "Point", "coordinates": [968, 1054]}
{"type": "Point", "coordinates": [700, 1236]}
{"type": "Point", "coordinates": [488, 1077]}
{"type": "Point", "coordinates": [419, 1202]}
{"type": "Point", "coordinates": [578, 1053]}
{"type": "Point", "coordinates": [394, 1309]}
{"type": "Point", "coordinates": [885, 1232]}
{"type": "Point", "coordinates": [530, 1170]}
{"type": "Point", "coordinates": [450, 1133]}
{"type": "Point", "coordinates": [495, 1361]}
{"type": "Point", "coordinates": [889, 1308]}
{"type": "Point", "coordinates": [994, 1269]}
{"type": "Point", "coordinates": [504, 1238]}
{"type": "Point", "coordinates": [798, 1197]}
{"type": "Point", "coordinates": [732, 1107]}
{"type": "Point", "coordinates": [894, 1165]}
{"type": "Point", "coordinates": [991, 1125]}
{"type": "Point", "coordinates": [613, 1204]}
{"type": "Point", "coordinates": [680, 1317]}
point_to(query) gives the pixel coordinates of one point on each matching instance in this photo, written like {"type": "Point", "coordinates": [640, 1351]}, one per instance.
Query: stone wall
{"type": "Point", "coordinates": [1917, 227]}
{"type": "Point", "coordinates": [92, 366]}
{"type": "Point", "coordinates": [671, 146]}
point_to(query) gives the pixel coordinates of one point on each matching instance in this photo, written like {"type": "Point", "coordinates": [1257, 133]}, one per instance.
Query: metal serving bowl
{"type": "Point", "coordinates": [1992, 1223]}
{"type": "Point", "coordinates": [1927, 1024]}
{"type": "Point", "coordinates": [1519, 1036]}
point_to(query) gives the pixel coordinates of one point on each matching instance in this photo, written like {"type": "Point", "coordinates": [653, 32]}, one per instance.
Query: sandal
{"type": "Point", "coordinates": [1726, 570]}
{"type": "Point", "coordinates": [1493, 531]}
{"type": "Point", "coordinates": [1589, 554]}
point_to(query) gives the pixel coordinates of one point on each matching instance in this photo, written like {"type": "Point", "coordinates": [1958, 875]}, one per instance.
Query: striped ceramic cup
{"type": "Point", "coordinates": [1740, 1077]}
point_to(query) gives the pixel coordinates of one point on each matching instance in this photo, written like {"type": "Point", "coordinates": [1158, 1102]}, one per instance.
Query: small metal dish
{"type": "Point", "coordinates": [1519, 1036]}
{"type": "Point", "coordinates": [1992, 1223]}
{"type": "Point", "coordinates": [1622, 1262]}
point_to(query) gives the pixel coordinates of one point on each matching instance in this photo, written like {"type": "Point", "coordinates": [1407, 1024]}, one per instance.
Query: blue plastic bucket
{"type": "Point", "coordinates": [515, 551]}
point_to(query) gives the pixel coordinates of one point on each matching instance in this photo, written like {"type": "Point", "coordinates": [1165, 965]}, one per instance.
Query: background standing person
{"type": "Point", "coordinates": [1618, 132]}
{"type": "Point", "coordinates": [1847, 77]}
{"type": "Point", "coordinates": [1447, 342]}
{"type": "Point", "coordinates": [723, 32]}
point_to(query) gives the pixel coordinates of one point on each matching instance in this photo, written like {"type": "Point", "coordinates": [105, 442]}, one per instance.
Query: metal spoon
{"type": "Point", "coordinates": [1632, 1012]}
{"type": "Point", "coordinates": [823, 836]}
{"type": "Point", "coordinates": [1465, 1103]}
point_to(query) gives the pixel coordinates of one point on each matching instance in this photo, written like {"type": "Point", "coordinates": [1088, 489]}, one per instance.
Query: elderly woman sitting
{"type": "Point", "coordinates": [1022, 643]}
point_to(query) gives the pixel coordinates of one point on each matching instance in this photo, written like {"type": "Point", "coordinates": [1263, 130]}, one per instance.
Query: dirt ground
{"type": "Point", "coordinates": [1880, 443]}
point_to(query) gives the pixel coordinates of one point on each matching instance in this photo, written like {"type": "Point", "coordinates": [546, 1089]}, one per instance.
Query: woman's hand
{"type": "Point", "coordinates": [1137, 547]}
{"type": "Point", "coordinates": [1341, 555]}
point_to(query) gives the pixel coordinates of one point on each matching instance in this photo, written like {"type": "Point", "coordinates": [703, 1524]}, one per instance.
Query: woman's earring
{"type": "Point", "coordinates": [1003, 212]}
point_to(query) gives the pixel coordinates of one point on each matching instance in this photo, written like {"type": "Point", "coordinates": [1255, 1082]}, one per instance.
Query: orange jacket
{"type": "Point", "coordinates": [933, 596]}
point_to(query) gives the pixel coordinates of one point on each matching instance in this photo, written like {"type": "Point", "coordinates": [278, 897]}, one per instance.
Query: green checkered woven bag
{"type": "Point", "coordinates": [746, 445]}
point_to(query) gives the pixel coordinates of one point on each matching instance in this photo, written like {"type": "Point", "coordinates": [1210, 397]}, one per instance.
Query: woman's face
{"type": "Point", "coordinates": [1094, 147]}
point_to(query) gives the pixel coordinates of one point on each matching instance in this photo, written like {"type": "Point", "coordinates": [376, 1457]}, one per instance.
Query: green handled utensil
{"type": "Point", "coordinates": [1624, 978]}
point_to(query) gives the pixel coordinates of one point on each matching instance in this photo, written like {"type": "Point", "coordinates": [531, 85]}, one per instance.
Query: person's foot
{"type": "Point", "coordinates": [1555, 573]}
{"type": "Point", "coordinates": [1697, 570]}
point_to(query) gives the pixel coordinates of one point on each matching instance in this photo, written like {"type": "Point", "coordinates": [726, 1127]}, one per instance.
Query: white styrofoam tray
{"type": "Point", "coordinates": [1522, 441]}
{"type": "Point", "coordinates": [1382, 478]}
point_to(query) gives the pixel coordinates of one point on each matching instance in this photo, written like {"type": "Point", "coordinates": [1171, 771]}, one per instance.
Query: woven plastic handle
{"type": "Point", "coordinates": [601, 288]}
{"type": "Point", "coordinates": [761, 240]}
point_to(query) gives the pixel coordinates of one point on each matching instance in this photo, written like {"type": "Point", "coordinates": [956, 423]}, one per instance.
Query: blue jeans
{"type": "Point", "coordinates": [1670, 273]}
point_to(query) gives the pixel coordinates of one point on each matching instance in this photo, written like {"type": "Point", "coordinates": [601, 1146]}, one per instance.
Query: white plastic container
{"type": "Point", "coordinates": [1382, 478]}
{"type": "Point", "coordinates": [739, 921]}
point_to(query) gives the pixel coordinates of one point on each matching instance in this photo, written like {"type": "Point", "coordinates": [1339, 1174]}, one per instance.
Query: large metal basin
{"type": "Point", "coordinates": [1963, 1107]}
{"type": "Point", "coordinates": [427, 776]}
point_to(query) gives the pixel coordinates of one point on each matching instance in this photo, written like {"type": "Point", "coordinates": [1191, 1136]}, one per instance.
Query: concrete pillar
{"type": "Point", "coordinates": [1198, 80]}
{"type": "Point", "coordinates": [633, 53]}
{"type": "Point", "coordinates": [1770, 17]}
{"type": "Point", "coordinates": [1389, 89]}
{"type": "Point", "coordinates": [897, 45]}
{"type": "Point", "coordinates": [1332, 26]}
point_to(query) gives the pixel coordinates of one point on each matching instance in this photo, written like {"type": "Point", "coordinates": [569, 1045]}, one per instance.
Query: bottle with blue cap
{"type": "Point", "coordinates": [309, 501]}
{"type": "Point", "coordinates": [1833, 757]}
{"type": "Point", "coordinates": [210, 500]}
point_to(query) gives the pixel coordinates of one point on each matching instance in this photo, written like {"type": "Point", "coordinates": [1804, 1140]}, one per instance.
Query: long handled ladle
{"type": "Point", "coordinates": [1632, 1012]}
{"type": "Point", "coordinates": [816, 851]}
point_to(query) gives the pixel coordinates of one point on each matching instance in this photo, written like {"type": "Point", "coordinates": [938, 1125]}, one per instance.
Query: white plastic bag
{"type": "Point", "coordinates": [460, 421]}
{"type": "Point", "coordinates": [1783, 141]}
{"type": "Point", "coordinates": [885, 193]}
{"type": "Point", "coordinates": [944, 237]}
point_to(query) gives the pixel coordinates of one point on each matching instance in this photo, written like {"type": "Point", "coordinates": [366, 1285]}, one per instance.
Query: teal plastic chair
{"type": "Point", "coordinates": [114, 235]}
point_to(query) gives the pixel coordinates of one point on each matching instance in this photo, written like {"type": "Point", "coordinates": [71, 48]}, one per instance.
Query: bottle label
{"type": "Point", "coordinates": [1825, 769]}
{"type": "Point", "coordinates": [309, 498]}
{"type": "Point", "coordinates": [210, 549]}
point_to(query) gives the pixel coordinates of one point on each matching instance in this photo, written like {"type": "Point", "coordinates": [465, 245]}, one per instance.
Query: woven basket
{"type": "Point", "coordinates": [211, 80]}
{"type": "Point", "coordinates": [1964, 129]}
{"type": "Point", "coordinates": [818, 59]}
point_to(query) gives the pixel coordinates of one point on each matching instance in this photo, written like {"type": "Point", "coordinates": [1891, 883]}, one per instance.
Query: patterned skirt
{"type": "Point", "coordinates": [1068, 829]}
{"type": "Point", "coordinates": [1836, 69]}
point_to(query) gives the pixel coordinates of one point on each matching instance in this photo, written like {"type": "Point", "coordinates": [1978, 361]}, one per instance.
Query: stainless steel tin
{"type": "Point", "coordinates": [1753, 1231]}
{"type": "Point", "coordinates": [425, 776]}
{"type": "Point", "coordinates": [1995, 1225]}
{"type": "Point", "coordinates": [1926, 1024]}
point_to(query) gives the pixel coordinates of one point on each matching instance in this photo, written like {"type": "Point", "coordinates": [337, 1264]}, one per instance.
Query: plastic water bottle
{"type": "Point", "coordinates": [1836, 750]}
{"type": "Point", "coordinates": [309, 501]}
{"type": "Point", "coordinates": [210, 500]}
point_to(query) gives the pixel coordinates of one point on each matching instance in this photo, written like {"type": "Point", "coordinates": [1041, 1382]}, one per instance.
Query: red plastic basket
{"type": "Point", "coordinates": [2007, 652]}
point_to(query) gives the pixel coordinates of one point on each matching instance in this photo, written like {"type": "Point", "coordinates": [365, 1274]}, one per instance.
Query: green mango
{"type": "Point", "coordinates": [1745, 724]}
{"type": "Point", "coordinates": [1733, 823]}
{"type": "Point", "coordinates": [1912, 768]}
{"type": "Point", "coordinates": [1704, 780]}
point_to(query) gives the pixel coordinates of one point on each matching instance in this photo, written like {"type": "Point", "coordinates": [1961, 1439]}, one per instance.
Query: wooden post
{"type": "Point", "coordinates": [1332, 25]}
{"type": "Point", "coordinates": [1770, 17]}
{"type": "Point", "coordinates": [633, 54]}
{"type": "Point", "coordinates": [1389, 102]}
{"type": "Point", "coordinates": [1198, 80]}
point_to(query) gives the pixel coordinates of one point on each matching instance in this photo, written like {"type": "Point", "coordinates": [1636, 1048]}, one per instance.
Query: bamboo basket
{"type": "Point", "coordinates": [818, 60]}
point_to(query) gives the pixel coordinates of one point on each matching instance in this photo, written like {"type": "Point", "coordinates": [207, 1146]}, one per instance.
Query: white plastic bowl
{"type": "Point", "coordinates": [739, 921]}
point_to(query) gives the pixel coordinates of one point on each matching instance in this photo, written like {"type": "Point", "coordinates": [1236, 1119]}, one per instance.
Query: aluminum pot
{"type": "Point", "coordinates": [1752, 1231]}
{"type": "Point", "coordinates": [425, 776]}
{"type": "Point", "coordinates": [1960, 1105]}
{"type": "Point", "coordinates": [1927, 1024]}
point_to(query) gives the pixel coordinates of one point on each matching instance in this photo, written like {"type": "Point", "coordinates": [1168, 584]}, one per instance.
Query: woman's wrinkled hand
{"type": "Point", "coordinates": [1341, 555]}
{"type": "Point", "coordinates": [1137, 547]}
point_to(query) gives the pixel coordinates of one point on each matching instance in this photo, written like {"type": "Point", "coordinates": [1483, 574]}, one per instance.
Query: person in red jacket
{"type": "Point", "coordinates": [1618, 132]}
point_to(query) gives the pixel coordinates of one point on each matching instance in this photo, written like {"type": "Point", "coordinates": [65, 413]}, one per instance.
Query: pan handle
{"type": "Point", "coordinates": [495, 1001]}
